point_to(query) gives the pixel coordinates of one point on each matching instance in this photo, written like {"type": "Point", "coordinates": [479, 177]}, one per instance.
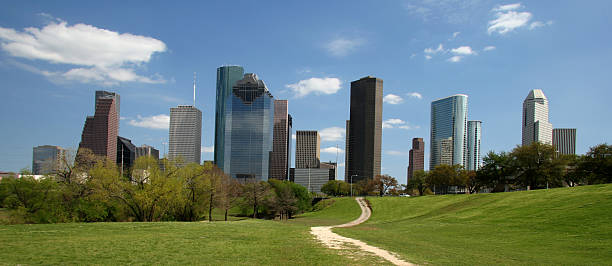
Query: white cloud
{"type": "Point", "coordinates": [440, 49]}
{"type": "Point", "coordinates": [396, 153]}
{"type": "Point", "coordinates": [451, 11]}
{"type": "Point", "coordinates": [507, 7]}
{"type": "Point", "coordinates": [315, 85]}
{"type": "Point", "coordinates": [332, 134]}
{"type": "Point", "coordinates": [538, 24]}
{"type": "Point", "coordinates": [427, 56]}
{"type": "Point", "coordinates": [153, 122]}
{"type": "Point", "coordinates": [463, 50]}
{"type": "Point", "coordinates": [455, 34]}
{"type": "Point", "coordinates": [415, 95]}
{"type": "Point", "coordinates": [455, 59]}
{"type": "Point", "coordinates": [392, 99]}
{"type": "Point", "coordinates": [342, 46]}
{"type": "Point", "coordinates": [489, 48]}
{"type": "Point", "coordinates": [507, 19]}
{"type": "Point", "coordinates": [332, 150]}
{"type": "Point", "coordinates": [92, 54]}
{"type": "Point", "coordinates": [208, 149]}
{"type": "Point", "coordinates": [398, 123]}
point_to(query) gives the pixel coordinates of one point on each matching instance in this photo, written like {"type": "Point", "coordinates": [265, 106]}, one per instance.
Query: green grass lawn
{"type": "Point", "coordinates": [557, 226]}
{"type": "Point", "coordinates": [246, 241]}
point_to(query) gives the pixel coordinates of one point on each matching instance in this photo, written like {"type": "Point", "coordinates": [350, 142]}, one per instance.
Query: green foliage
{"type": "Point", "coordinates": [418, 182]}
{"type": "Point", "coordinates": [596, 165]}
{"type": "Point", "coordinates": [336, 188]}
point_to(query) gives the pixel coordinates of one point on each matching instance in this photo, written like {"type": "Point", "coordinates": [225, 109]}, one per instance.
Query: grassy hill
{"type": "Point", "coordinates": [238, 242]}
{"type": "Point", "coordinates": [556, 226]}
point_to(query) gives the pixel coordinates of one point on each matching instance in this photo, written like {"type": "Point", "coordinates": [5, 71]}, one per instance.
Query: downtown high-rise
{"type": "Point", "coordinates": [416, 157]}
{"type": "Point", "coordinates": [185, 134]}
{"type": "Point", "coordinates": [474, 134]}
{"type": "Point", "coordinates": [564, 140]}
{"type": "Point", "coordinates": [448, 131]}
{"type": "Point", "coordinates": [101, 130]}
{"type": "Point", "coordinates": [364, 129]}
{"type": "Point", "coordinates": [307, 149]}
{"type": "Point", "coordinates": [249, 130]}
{"type": "Point", "coordinates": [48, 159]}
{"type": "Point", "coordinates": [227, 76]}
{"type": "Point", "coordinates": [279, 158]}
{"type": "Point", "coordinates": [536, 126]}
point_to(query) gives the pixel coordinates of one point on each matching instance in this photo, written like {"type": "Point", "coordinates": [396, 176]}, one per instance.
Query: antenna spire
{"type": "Point", "coordinates": [194, 86]}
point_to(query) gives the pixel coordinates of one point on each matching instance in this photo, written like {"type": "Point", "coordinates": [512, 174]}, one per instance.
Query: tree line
{"type": "Point", "coordinates": [534, 166]}
{"type": "Point", "coordinates": [92, 189]}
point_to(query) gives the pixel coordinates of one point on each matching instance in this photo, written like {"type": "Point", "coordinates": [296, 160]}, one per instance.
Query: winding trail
{"type": "Point", "coordinates": [335, 241]}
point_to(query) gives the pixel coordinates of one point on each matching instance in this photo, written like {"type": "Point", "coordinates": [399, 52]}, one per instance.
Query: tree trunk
{"type": "Point", "coordinates": [210, 207]}
{"type": "Point", "coordinates": [226, 215]}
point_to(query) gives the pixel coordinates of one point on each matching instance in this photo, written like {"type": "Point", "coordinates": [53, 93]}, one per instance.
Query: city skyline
{"type": "Point", "coordinates": [421, 57]}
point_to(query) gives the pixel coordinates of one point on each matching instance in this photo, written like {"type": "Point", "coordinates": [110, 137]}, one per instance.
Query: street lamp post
{"type": "Point", "coordinates": [352, 185]}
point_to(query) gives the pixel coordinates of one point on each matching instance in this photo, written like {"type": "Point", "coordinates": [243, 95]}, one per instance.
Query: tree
{"type": "Point", "coordinates": [418, 181]}
{"type": "Point", "coordinates": [382, 184]}
{"type": "Point", "coordinates": [537, 166]}
{"type": "Point", "coordinates": [31, 200]}
{"type": "Point", "coordinates": [495, 171]}
{"type": "Point", "coordinates": [228, 194]}
{"type": "Point", "coordinates": [284, 202]}
{"type": "Point", "coordinates": [336, 188]}
{"type": "Point", "coordinates": [596, 165]}
{"type": "Point", "coordinates": [472, 185]}
{"type": "Point", "coordinates": [255, 193]}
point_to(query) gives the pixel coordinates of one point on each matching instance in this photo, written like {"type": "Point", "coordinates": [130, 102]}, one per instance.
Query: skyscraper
{"type": "Point", "coordinates": [279, 166]}
{"type": "Point", "coordinates": [365, 129]}
{"type": "Point", "coordinates": [536, 126]}
{"type": "Point", "coordinates": [185, 134]}
{"type": "Point", "coordinates": [564, 140]}
{"type": "Point", "coordinates": [346, 150]}
{"type": "Point", "coordinates": [250, 125]}
{"type": "Point", "coordinates": [226, 79]}
{"type": "Point", "coordinates": [416, 157]}
{"type": "Point", "coordinates": [146, 150]}
{"type": "Point", "coordinates": [101, 130]}
{"type": "Point", "coordinates": [47, 159]}
{"type": "Point", "coordinates": [307, 149]}
{"type": "Point", "coordinates": [448, 131]}
{"type": "Point", "coordinates": [473, 145]}
{"type": "Point", "coordinates": [126, 154]}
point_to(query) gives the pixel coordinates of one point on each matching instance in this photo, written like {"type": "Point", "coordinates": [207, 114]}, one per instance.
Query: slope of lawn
{"type": "Point", "coordinates": [246, 241]}
{"type": "Point", "coordinates": [556, 226]}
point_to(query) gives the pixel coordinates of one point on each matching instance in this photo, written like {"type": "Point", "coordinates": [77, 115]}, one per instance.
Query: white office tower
{"type": "Point", "coordinates": [185, 134]}
{"type": "Point", "coordinates": [535, 119]}
{"type": "Point", "coordinates": [473, 145]}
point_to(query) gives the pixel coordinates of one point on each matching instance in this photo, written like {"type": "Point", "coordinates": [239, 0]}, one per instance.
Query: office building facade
{"type": "Point", "coordinates": [101, 130]}
{"type": "Point", "coordinates": [47, 159]}
{"type": "Point", "coordinates": [307, 149]}
{"type": "Point", "coordinates": [473, 145]}
{"type": "Point", "coordinates": [365, 129]}
{"type": "Point", "coordinates": [311, 178]}
{"type": "Point", "coordinates": [448, 131]}
{"type": "Point", "coordinates": [185, 134]}
{"type": "Point", "coordinates": [279, 158]}
{"type": "Point", "coordinates": [564, 140]}
{"type": "Point", "coordinates": [126, 154]}
{"type": "Point", "coordinates": [227, 76]}
{"type": "Point", "coordinates": [146, 150]}
{"type": "Point", "coordinates": [416, 157]}
{"type": "Point", "coordinates": [536, 126]}
{"type": "Point", "coordinates": [250, 129]}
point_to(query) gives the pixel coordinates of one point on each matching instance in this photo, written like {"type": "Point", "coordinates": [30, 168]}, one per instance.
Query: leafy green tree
{"type": "Point", "coordinates": [496, 170]}
{"type": "Point", "coordinates": [284, 201]}
{"type": "Point", "coordinates": [537, 166]}
{"type": "Point", "coordinates": [382, 184]}
{"type": "Point", "coordinates": [336, 188]}
{"type": "Point", "coordinates": [442, 177]}
{"type": "Point", "coordinates": [418, 182]}
{"type": "Point", "coordinates": [31, 200]}
{"type": "Point", "coordinates": [255, 194]}
{"type": "Point", "coordinates": [596, 165]}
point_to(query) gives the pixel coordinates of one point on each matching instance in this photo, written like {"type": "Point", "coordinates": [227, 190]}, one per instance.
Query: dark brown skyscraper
{"type": "Point", "coordinates": [101, 130]}
{"type": "Point", "coordinates": [279, 161]}
{"type": "Point", "coordinates": [416, 157]}
{"type": "Point", "coordinates": [365, 129]}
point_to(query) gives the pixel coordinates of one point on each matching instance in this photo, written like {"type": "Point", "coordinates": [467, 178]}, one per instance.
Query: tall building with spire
{"type": "Point", "coordinates": [250, 129]}
{"type": "Point", "coordinates": [536, 126]}
{"type": "Point", "coordinates": [448, 131]}
{"type": "Point", "coordinates": [227, 76]}
{"type": "Point", "coordinates": [364, 129]}
{"type": "Point", "coordinates": [185, 134]}
{"type": "Point", "coordinates": [101, 130]}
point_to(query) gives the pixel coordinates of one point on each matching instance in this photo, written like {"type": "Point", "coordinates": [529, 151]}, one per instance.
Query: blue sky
{"type": "Point", "coordinates": [54, 55]}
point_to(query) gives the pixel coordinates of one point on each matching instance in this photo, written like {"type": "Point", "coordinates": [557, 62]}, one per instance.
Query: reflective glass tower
{"type": "Point", "coordinates": [250, 128]}
{"type": "Point", "coordinates": [473, 145]}
{"type": "Point", "coordinates": [448, 131]}
{"type": "Point", "coordinates": [226, 79]}
{"type": "Point", "coordinates": [535, 119]}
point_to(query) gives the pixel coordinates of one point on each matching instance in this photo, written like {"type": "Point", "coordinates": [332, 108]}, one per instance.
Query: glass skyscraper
{"type": "Point", "coordinates": [448, 131]}
{"type": "Point", "coordinates": [473, 145]}
{"type": "Point", "coordinates": [249, 126]}
{"type": "Point", "coordinates": [226, 79]}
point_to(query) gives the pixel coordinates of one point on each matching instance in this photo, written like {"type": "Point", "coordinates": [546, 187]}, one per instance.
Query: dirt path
{"type": "Point", "coordinates": [335, 241]}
